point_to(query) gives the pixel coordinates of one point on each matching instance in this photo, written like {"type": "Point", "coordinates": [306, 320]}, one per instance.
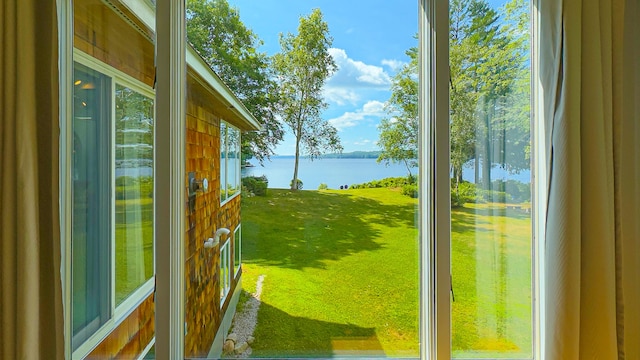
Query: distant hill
{"type": "Point", "coordinates": [354, 155]}
{"type": "Point", "coordinates": [348, 155]}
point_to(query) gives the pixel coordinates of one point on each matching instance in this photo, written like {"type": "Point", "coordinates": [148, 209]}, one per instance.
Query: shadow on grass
{"type": "Point", "coordinates": [484, 256]}
{"type": "Point", "coordinates": [307, 228]}
{"type": "Point", "coordinates": [502, 211]}
{"type": "Point", "coordinates": [280, 334]}
{"type": "Point", "coordinates": [465, 219]}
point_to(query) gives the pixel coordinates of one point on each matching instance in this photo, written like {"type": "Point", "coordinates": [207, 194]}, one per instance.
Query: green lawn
{"type": "Point", "coordinates": [341, 272]}
{"type": "Point", "coordinates": [134, 245]}
{"type": "Point", "coordinates": [341, 275]}
{"type": "Point", "coordinates": [491, 278]}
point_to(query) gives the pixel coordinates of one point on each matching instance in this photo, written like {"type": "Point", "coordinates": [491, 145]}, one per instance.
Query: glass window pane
{"type": "Point", "coordinates": [330, 269]}
{"type": "Point", "coordinates": [133, 191]}
{"type": "Point", "coordinates": [91, 230]}
{"type": "Point", "coordinates": [233, 161]}
{"type": "Point", "coordinates": [237, 250]}
{"type": "Point", "coordinates": [223, 161]}
{"type": "Point", "coordinates": [225, 271]}
{"type": "Point", "coordinates": [491, 242]}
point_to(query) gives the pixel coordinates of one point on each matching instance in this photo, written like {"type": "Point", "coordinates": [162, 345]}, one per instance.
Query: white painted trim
{"type": "Point", "coordinates": [426, 191]}
{"type": "Point", "coordinates": [94, 340]}
{"type": "Point", "coordinates": [226, 164]}
{"type": "Point", "coordinates": [219, 89]}
{"type": "Point", "coordinates": [117, 317]}
{"type": "Point", "coordinates": [540, 184]}
{"type": "Point", "coordinates": [435, 225]}
{"type": "Point", "coordinates": [117, 75]}
{"type": "Point", "coordinates": [116, 313]}
{"type": "Point", "coordinates": [142, 11]}
{"type": "Point", "coordinates": [147, 349]}
{"type": "Point", "coordinates": [112, 196]}
{"type": "Point", "coordinates": [215, 352]}
{"type": "Point", "coordinates": [225, 262]}
{"type": "Point", "coordinates": [237, 241]}
{"type": "Point", "coordinates": [146, 14]}
{"type": "Point", "coordinates": [131, 302]}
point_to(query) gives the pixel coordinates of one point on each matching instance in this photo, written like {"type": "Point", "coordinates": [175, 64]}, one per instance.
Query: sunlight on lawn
{"type": "Point", "coordinates": [491, 277]}
{"type": "Point", "coordinates": [341, 274]}
{"type": "Point", "coordinates": [341, 271]}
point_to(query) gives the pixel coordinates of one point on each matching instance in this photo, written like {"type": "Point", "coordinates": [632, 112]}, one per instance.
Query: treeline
{"type": "Point", "coordinates": [354, 155]}
{"type": "Point", "coordinates": [349, 155]}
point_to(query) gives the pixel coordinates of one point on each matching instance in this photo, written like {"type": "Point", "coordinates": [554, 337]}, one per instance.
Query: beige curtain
{"type": "Point", "coordinates": [590, 73]}
{"type": "Point", "coordinates": [31, 314]}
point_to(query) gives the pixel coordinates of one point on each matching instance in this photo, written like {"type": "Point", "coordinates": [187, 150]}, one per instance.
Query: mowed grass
{"type": "Point", "coordinates": [491, 278]}
{"type": "Point", "coordinates": [341, 272]}
{"type": "Point", "coordinates": [341, 275]}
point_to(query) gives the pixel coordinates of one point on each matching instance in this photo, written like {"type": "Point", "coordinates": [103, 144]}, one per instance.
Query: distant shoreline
{"type": "Point", "coordinates": [348, 155]}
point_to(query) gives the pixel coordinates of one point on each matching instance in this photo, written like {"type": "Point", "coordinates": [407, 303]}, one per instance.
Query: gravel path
{"type": "Point", "coordinates": [244, 323]}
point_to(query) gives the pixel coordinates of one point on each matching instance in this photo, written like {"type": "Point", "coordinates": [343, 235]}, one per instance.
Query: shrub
{"type": "Point", "coordinates": [493, 196]}
{"type": "Point", "coordinates": [519, 191]}
{"type": "Point", "coordinates": [464, 192]}
{"type": "Point", "coordinates": [298, 182]}
{"type": "Point", "coordinates": [392, 182]}
{"type": "Point", "coordinates": [126, 181]}
{"type": "Point", "coordinates": [323, 186]}
{"type": "Point", "coordinates": [255, 185]}
{"type": "Point", "coordinates": [410, 190]}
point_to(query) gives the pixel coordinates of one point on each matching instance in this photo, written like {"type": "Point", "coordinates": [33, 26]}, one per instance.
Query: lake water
{"type": "Point", "coordinates": [337, 172]}
{"type": "Point", "coordinates": [333, 172]}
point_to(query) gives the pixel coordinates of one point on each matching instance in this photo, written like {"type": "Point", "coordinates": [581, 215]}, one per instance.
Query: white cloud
{"type": "Point", "coordinates": [373, 107]}
{"type": "Point", "coordinates": [394, 65]}
{"type": "Point", "coordinates": [363, 142]}
{"type": "Point", "coordinates": [340, 96]}
{"type": "Point", "coordinates": [356, 73]}
{"type": "Point", "coordinates": [349, 119]}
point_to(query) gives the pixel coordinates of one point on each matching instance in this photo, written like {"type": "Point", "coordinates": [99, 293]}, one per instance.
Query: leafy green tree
{"type": "Point", "coordinates": [230, 48]}
{"type": "Point", "coordinates": [489, 97]}
{"type": "Point", "coordinates": [398, 136]}
{"type": "Point", "coordinates": [302, 68]}
{"type": "Point", "coordinates": [489, 103]}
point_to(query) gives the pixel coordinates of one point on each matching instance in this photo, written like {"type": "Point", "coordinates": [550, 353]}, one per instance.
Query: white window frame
{"type": "Point", "coordinates": [147, 348]}
{"type": "Point", "coordinates": [224, 182]}
{"type": "Point", "coordinates": [237, 246]}
{"type": "Point", "coordinates": [118, 313]}
{"type": "Point", "coordinates": [435, 216]}
{"type": "Point", "coordinates": [225, 270]}
{"type": "Point", "coordinates": [434, 206]}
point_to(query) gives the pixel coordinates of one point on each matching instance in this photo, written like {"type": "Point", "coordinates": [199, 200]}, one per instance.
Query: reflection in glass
{"type": "Point", "coordinates": [233, 161]}
{"type": "Point", "coordinates": [133, 191]}
{"type": "Point", "coordinates": [229, 161]}
{"type": "Point", "coordinates": [91, 231]}
{"type": "Point", "coordinates": [237, 250]}
{"type": "Point", "coordinates": [223, 161]}
{"type": "Point", "coordinates": [491, 186]}
{"type": "Point", "coordinates": [225, 271]}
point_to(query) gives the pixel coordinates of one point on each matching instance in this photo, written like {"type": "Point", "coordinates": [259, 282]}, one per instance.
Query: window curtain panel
{"type": "Point", "coordinates": [589, 70]}
{"type": "Point", "coordinates": [31, 313]}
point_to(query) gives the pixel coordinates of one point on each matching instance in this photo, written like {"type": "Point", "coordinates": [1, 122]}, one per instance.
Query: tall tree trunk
{"type": "Point", "coordinates": [476, 167]}
{"type": "Point", "coordinates": [406, 164]}
{"type": "Point", "coordinates": [487, 159]}
{"type": "Point", "coordinates": [294, 181]}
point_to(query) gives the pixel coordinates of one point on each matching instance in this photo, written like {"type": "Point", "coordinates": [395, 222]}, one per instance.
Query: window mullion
{"type": "Point", "coordinates": [170, 184]}
{"type": "Point", "coordinates": [434, 179]}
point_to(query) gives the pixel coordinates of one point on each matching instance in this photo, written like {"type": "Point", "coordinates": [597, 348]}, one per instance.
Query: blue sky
{"type": "Point", "coordinates": [370, 38]}
{"type": "Point", "coordinates": [369, 43]}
